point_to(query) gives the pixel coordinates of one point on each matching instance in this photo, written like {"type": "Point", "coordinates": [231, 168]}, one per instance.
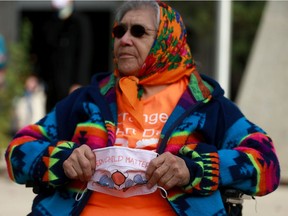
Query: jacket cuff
{"type": "Point", "coordinates": [202, 161]}
{"type": "Point", "coordinates": [53, 161]}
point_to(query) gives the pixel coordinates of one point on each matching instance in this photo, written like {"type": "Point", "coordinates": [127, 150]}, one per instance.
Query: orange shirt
{"type": "Point", "coordinates": [156, 110]}
{"type": "Point", "coordinates": [143, 205]}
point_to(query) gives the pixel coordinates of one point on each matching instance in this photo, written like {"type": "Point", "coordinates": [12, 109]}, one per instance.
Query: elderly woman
{"type": "Point", "coordinates": [155, 112]}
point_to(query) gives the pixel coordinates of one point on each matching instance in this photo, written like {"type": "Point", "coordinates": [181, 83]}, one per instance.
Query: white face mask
{"type": "Point", "coordinates": [120, 171]}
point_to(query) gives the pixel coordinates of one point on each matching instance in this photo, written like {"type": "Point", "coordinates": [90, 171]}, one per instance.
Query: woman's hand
{"type": "Point", "coordinates": [167, 171]}
{"type": "Point", "coordinates": [80, 164]}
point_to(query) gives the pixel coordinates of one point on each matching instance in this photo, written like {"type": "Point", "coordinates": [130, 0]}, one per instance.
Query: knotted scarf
{"type": "Point", "coordinates": [168, 61]}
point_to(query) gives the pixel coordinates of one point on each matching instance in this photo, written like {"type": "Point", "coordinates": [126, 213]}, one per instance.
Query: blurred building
{"type": "Point", "coordinates": [262, 95]}
{"type": "Point", "coordinates": [84, 39]}
{"type": "Point", "coordinates": [64, 50]}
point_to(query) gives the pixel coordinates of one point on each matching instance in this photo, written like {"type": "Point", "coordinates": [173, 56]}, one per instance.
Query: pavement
{"type": "Point", "coordinates": [16, 200]}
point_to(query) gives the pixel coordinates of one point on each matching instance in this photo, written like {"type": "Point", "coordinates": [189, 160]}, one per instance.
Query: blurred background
{"type": "Point", "coordinates": [62, 50]}
{"type": "Point", "coordinates": [49, 48]}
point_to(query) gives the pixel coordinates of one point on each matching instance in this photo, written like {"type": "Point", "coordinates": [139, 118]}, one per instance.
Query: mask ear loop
{"type": "Point", "coordinates": [81, 193]}
{"type": "Point", "coordinates": [163, 192]}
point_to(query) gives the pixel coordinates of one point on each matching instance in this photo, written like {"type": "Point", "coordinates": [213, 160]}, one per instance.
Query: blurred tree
{"type": "Point", "coordinates": [18, 68]}
{"type": "Point", "coordinates": [246, 19]}
{"type": "Point", "coordinates": [200, 18]}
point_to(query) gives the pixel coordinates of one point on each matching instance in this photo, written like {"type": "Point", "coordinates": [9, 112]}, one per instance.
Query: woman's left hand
{"type": "Point", "coordinates": [167, 171]}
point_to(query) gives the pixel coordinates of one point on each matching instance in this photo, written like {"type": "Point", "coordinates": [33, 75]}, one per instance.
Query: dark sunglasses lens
{"type": "Point", "coordinates": [119, 31]}
{"type": "Point", "coordinates": [137, 31]}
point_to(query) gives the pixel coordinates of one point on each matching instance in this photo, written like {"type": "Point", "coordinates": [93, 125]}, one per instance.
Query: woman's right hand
{"type": "Point", "coordinates": [81, 164]}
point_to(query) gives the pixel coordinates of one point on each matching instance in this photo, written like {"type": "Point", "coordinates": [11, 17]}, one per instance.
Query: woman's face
{"type": "Point", "coordinates": [130, 51]}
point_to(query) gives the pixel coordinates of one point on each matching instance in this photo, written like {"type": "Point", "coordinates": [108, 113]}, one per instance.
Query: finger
{"type": "Point", "coordinates": [158, 175]}
{"type": "Point", "coordinates": [153, 165]}
{"type": "Point", "coordinates": [92, 159]}
{"type": "Point", "coordinates": [170, 183]}
{"type": "Point", "coordinates": [78, 170]}
{"type": "Point", "coordinates": [87, 163]}
{"type": "Point", "coordinates": [77, 162]}
{"type": "Point", "coordinates": [78, 165]}
{"type": "Point", "coordinates": [180, 175]}
{"type": "Point", "coordinates": [86, 170]}
{"type": "Point", "coordinates": [69, 170]}
{"type": "Point", "coordinates": [163, 181]}
{"type": "Point", "coordinates": [70, 166]}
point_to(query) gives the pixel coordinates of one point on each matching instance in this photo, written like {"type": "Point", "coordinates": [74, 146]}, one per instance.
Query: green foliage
{"type": "Point", "coordinates": [18, 68]}
{"type": "Point", "coordinates": [201, 24]}
{"type": "Point", "coordinates": [200, 18]}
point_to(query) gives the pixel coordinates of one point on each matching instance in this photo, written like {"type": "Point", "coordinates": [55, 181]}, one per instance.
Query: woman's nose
{"type": "Point", "coordinates": [126, 38]}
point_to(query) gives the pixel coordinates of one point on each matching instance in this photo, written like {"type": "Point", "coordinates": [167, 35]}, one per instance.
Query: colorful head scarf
{"type": "Point", "coordinates": [169, 59]}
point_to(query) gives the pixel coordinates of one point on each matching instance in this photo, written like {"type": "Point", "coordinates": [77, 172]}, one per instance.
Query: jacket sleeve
{"type": "Point", "coordinates": [35, 154]}
{"type": "Point", "coordinates": [249, 161]}
{"type": "Point", "coordinates": [202, 161]}
{"type": "Point", "coordinates": [238, 155]}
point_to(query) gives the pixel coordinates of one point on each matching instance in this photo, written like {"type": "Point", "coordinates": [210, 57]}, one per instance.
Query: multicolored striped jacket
{"type": "Point", "coordinates": [220, 146]}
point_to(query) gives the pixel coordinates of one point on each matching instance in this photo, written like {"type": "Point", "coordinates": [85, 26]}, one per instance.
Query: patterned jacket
{"type": "Point", "coordinates": [220, 146]}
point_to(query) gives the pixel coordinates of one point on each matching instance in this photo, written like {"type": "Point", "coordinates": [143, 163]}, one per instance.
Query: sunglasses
{"type": "Point", "coordinates": [136, 30]}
